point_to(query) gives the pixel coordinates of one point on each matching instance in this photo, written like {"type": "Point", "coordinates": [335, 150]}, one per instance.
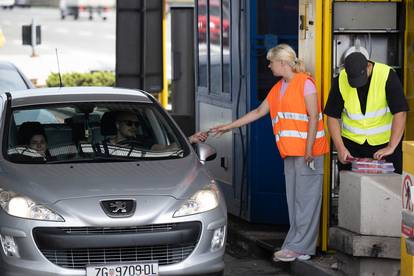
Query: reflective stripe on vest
{"type": "Point", "coordinates": [375, 125]}
{"type": "Point", "coordinates": [367, 115]}
{"type": "Point", "coordinates": [293, 116]}
{"type": "Point", "coordinates": [297, 134]}
{"type": "Point", "coordinates": [366, 132]}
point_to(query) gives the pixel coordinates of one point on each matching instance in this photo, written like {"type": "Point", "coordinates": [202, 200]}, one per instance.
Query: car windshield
{"type": "Point", "coordinates": [92, 132]}
{"type": "Point", "coordinates": [11, 80]}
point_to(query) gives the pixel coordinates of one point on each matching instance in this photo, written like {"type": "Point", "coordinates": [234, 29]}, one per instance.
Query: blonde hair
{"type": "Point", "coordinates": [286, 53]}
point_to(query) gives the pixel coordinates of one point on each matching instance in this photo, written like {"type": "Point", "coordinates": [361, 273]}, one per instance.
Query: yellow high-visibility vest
{"type": "Point", "coordinates": [375, 125]}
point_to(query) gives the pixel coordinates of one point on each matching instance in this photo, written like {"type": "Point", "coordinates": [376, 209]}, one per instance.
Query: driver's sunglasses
{"type": "Point", "coordinates": [131, 123]}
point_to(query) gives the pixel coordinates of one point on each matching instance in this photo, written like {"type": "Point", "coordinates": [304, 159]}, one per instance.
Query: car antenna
{"type": "Point", "coordinates": [60, 75]}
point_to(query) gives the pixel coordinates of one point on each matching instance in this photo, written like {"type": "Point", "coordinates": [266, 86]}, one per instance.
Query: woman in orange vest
{"type": "Point", "coordinates": [297, 122]}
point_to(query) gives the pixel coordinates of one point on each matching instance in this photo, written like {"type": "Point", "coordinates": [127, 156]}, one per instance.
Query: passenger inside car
{"type": "Point", "coordinates": [32, 135]}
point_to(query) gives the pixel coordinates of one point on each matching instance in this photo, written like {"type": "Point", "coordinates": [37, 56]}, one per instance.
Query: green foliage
{"type": "Point", "coordinates": [82, 79]}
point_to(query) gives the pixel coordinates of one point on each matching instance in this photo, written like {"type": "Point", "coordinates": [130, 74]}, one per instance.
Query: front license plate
{"type": "Point", "coordinates": [126, 269]}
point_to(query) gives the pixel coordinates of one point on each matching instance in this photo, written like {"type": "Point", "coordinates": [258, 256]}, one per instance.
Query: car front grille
{"type": "Point", "coordinates": [118, 230]}
{"type": "Point", "coordinates": [80, 258]}
{"type": "Point", "coordinates": [78, 247]}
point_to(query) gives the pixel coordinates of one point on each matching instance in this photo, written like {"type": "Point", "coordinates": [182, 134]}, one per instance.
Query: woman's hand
{"type": "Point", "coordinates": [308, 156]}
{"type": "Point", "coordinates": [219, 130]}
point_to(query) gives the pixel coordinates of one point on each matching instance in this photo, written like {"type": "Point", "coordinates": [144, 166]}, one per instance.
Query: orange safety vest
{"type": "Point", "coordinates": [290, 119]}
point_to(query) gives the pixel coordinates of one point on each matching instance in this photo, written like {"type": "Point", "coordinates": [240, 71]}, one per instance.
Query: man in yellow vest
{"type": "Point", "coordinates": [366, 111]}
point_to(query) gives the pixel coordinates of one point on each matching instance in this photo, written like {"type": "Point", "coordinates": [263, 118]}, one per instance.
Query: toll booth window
{"type": "Point", "coordinates": [202, 43]}
{"type": "Point", "coordinates": [214, 45]}
{"type": "Point", "coordinates": [226, 46]}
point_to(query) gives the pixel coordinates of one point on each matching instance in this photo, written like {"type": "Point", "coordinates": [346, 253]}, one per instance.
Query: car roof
{"type": "Point", "coordinates": [77, 94]}
{"type": "Point", "coordinates": [7, 65]}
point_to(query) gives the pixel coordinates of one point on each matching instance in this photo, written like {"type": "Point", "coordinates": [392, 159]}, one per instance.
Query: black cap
{"type": "Point", "coordinates": [356, 69]}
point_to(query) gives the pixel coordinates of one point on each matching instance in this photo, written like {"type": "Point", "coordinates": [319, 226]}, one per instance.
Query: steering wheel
{"type": "Point", "coordinates": [132, 143]}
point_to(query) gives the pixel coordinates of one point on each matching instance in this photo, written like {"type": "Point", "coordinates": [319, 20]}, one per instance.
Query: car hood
{"type": "Point", "coordinates": [49, 183]}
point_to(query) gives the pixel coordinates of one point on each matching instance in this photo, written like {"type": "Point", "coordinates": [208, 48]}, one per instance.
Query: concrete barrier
{"type": "Point", "coordinates": [370, 204]}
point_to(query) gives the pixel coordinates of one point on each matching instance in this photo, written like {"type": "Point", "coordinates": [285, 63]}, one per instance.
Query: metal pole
{"type": "Point", "coordinates": [33, 28]}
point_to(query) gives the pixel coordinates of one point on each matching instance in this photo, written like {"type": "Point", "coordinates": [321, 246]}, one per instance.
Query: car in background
{"type": "Point", "coordinates": [11, 78]}
{"type": "Point", "coordinates": [7, 4]}
{"type": "Point", "coordinates": [215, 21]}
{"type": "Point", "coordinates": [90, 206]}
{"type": "Point", "coordinates": [22, 3]}
{"type": "Point", "coordinates": [77, 8]}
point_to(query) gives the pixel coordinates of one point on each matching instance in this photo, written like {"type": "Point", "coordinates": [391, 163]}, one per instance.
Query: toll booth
{"type": "Point", "coordinates": [232, 78]}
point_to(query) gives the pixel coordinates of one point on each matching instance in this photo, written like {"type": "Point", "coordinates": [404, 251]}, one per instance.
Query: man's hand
{"type": "Point", "coordinates": [380, 154]}
{"type": "Point", "coordinates": [344, 155]}
{"type": "Point", "coordinates": [198, 137]}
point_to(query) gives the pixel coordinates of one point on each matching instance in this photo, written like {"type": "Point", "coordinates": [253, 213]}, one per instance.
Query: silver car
{"type": "Point", "coordinates": [87, 205]}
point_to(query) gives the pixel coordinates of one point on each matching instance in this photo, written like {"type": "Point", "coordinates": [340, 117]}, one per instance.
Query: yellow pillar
{"type": "Point", "coordinates": [324, 34]}
{"type": "Point", "coordinates": [164, 93]}
{"type": "Point", "coordinates": [407, 261]}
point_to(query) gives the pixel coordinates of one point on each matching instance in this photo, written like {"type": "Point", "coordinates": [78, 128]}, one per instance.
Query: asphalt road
{"type": "Point", "coordinates": [248, 266]}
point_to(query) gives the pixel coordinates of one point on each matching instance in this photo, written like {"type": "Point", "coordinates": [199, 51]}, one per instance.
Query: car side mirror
{"type": "Point", "coordinates": [205, 152]}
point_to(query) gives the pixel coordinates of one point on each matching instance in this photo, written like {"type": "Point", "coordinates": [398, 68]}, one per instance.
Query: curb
{"type": "Point", "coordinates": [249, 240]}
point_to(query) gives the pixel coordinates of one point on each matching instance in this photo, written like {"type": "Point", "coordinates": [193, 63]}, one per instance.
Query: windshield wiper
{"type": "Point", "coordinates": [177, 153]}
{"type": "Point", "coordinates": [95, 159]}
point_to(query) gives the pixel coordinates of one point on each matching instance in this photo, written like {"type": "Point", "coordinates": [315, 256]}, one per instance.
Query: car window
{"type": "Point", "coordinates": [11, 80]}
{"type": "Point", "coordinates": [92, 132]}
{"type": "Point", "coordinates": [41, 115]}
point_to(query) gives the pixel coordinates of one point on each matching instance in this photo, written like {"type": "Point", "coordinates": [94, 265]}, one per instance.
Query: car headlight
{"type": "Point", "coordinates": [204, 200]}
{"type": "Point", "coordinates": [23, 207]}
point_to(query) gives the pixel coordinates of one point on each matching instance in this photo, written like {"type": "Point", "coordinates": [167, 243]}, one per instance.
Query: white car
{"type": "Point", "coordinates": [76, 8]}
{"type": "Point", "coordinates": [7, 4]}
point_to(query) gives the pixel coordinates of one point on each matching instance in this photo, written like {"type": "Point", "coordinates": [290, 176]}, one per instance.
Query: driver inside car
{"type": "Point", "coordinates": [127, 125]}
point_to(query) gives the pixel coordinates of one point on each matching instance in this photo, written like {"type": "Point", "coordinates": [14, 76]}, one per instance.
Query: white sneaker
{"type": "Point", "coordinates": [286, 255]}
{"type": "Point", "coordinates": [303, 257]}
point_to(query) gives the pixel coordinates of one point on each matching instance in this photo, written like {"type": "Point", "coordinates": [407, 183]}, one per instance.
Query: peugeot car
{"type": "Point", "coordinates": [108, 187]}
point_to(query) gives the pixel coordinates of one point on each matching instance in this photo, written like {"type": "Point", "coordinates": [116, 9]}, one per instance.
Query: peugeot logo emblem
{"type": "Point", "coordinates": [118, 208]}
